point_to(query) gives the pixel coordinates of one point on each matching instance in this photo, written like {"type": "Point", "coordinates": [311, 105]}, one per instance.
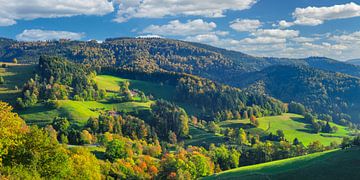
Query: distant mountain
{"type": "Point", "coordinates": [324, 79]}
{"type": "Point", "coordinates": [354, 61]}
{"type": "Point", "coordinates": [321, 91]}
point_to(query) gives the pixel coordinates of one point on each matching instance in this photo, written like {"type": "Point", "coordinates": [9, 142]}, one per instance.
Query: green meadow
{"type": "Point", "coordinates": [292, 126]}
{"type": "Point", "coordinates": [323, 165]}
{"type": "Point", "coordinates": [15, 75]}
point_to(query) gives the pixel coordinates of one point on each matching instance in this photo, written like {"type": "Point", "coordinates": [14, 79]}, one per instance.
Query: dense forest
{"type": "Point", "coordinates": [321, 92]}
{"type": "Point", "coordinates": [228, 67]}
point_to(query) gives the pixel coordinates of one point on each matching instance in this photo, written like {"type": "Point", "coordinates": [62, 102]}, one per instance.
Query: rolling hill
{"type": "Point", "coordinates": [224, 66]}
{"type": "Point", "coordinates": [354, 61]}
{"type": "Point", "coordinates": [336, 164]}
{"type": "Point", "coordinates": [320, 91]}
{"type": "Point", "coordinates": [293, 127]}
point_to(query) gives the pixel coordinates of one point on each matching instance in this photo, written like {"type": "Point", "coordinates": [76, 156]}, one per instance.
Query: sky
{"type": "Point", "coordinates": [277, 28]}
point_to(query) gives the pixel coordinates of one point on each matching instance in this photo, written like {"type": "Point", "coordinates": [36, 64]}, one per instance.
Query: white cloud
{"type": "Point", "coordinates": [285, 24]}
{"type": "Point", "coordinates": [278, 33]}
{"type": "Point", "coordinates": [177, 28]}
{"type": "Point", "coordinates": [263, 40]}
{"type": "Point", "coordinates": [149, 36]}
{"type": "Point", "coordinates": [12, 10]}
{"type": "Point", "coordinates": [352, 38]}
{"type": "Point", "coordinates": [203, 38]}
{"type": "Point", "coordinates": [42, 35]}
{"type": "Point", "coordinates": [342, 47]}
{"type": "Point", "coordinates": [303, 39]}
{"type": "Point", "coordinates": [244, 25]}
{"type": "Point", "coordinates": [312, 16]}
{"type": "Point", "coordinates": [129, 9]}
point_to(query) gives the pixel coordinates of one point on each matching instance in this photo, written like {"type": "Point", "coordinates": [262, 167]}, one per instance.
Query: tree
{"type": "Point", "coordinates": [296, 141]}
{"type": "Point", "coordinates": [335, 129]}
{"type": "Point", "coordinates": [245, 115]}
{"type": "Point", "coordinates": [172, 137]}
{"type": "Point", "coordinates": [2, 81]}
{"type": "Point", "coordinates": [297, 108]}
{"type": "Point", "coordinates": [61, 125]}
{"type": "Point", "coordinates": [327, 128]}
{"type": "Point", "coordinates": [40, 153]}
{"type": "Point", "coordinates": [213, 127]}
{"type": "Point", "coordinates": [12, 128]}
{"type": "Point", "coordinates": [86, 137]}
{"type": "Point", "coordinates": [315, 146]}
{"type": "Point", "coordinates": [242, 137]}
{"type": "Point", "coordinates": [85, 165]}
{"type": "Point", "coordinates": [93, 124]}
{"type": "Point", "coordinates": [280, 134]}
{"type": "Point", "coordinates": [327, 118]}
{"type": "Point", "coordinates": [316, 126]}
{"type": "Point", "coordinates": [169, 117]}
{"type": "Point", "coordinates": [254, 121]}
{"type": "Point", "coordinates": [116, 150]}
{"type": "Point", "coordinates": [308, 118]}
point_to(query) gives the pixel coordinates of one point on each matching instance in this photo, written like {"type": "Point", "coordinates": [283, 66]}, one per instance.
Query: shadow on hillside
{"type": "Point", "coordinates": [35, 109]}
{"type": "Point", "coordinates": [310, 131]}
{"type": "Point", "coordinates": [99, 154]}
{"type": "Point", "coordinates": [297, 119]}
{"type": "Point", "coordinates": [238, 126]}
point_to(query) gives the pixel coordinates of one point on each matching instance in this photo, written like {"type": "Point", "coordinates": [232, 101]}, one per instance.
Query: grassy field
{"type": "Point", "coordinates": [336, 164]}
{"type": "Point", "coordinates": [111, 83]}
{"type": "Point", "coordinates": [76, 111]}
{"type": "Point", "coordinates": [157, 90]}
{"type": "Point", "coordinates": [203, 138]}
{"type": "Point", "coordinates": [14, 75]}
{"type": "Point", "coordinates": [293, 127]}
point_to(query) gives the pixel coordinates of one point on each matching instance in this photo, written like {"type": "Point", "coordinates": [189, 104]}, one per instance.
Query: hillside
{"type": "Point", "coordinates": [320, 91]}
{"type": "Point", "coordinates": [224, 66]}
{"type": "Point", "coordinates": [336, 164]}
{"type": "Point", "coordinates": [162, 54]}
{"type": "Point", "coordinates": [354, 61]}
{"type": "Point", "coordinates": [15, 75]}
{"type": "Point", "coordinates": [292, 125]}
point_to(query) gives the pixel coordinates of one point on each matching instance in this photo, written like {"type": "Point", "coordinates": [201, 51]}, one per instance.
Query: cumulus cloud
{"type": "Point", "coordinates": [12, 10]}
{"type": "Point", "coordinates": [244, 25]}
{"type": "Point", "coordinates": [340, 46]}
{"type": "Point", "coordinates": [42, 35]}
{"type": "Point", "coordinates": [203, 38]}
{"type": "Point", "coordinates": [177, 28]}
{"type": "Point", "coordinates": [352, 38]}
{"type": "Point", "coordinates": [312, 16]}
{"type": "Point", "coordinates": [129, 9]}
{"type": "Point", "coordinates": [263, 40]}
{"type": "Point", "coordinates": [276, 33]}
{"type": "Point", "coordinates": [285, 24]}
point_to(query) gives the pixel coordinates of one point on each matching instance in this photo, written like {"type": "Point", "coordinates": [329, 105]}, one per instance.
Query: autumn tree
{"type": "Point", "coordinates": [242, 137]}
{"type": "Point", "coordinates": [12, 128]}
{"type": "Point", "coordinates": [2, 81]}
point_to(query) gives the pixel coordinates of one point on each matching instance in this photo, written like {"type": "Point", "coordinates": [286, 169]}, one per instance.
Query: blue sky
{"type": "Point", "coordinates": [281, 28]}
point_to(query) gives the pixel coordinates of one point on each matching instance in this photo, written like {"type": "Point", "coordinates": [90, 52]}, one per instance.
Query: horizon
{"type": "Point", "coordinates": [146, 37]}
{"type": "Point", "coordinates": [271, 28]}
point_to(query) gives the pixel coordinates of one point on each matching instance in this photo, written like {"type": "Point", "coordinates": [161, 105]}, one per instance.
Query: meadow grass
{"type": "Point", "coordinates": [293, 127]}
{"type": "Point", "coordinates": [200, 137]}
{"type": "Point", "coordinates": [15, 75]}
{"type": "Point", "coordinates": [323, 165]}
{"type": "Point", "coordinates": [77, 111]}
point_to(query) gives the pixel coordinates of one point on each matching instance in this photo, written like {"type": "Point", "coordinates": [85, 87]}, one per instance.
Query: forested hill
{"type": "Point", "coordinates": [324, 87]}
{"type": "Point", "coordinates": [154, 54]}
{"type": "Point", "coordinates": [324, 92]}
{"type": "Point", "coordinates": [354, 61]}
